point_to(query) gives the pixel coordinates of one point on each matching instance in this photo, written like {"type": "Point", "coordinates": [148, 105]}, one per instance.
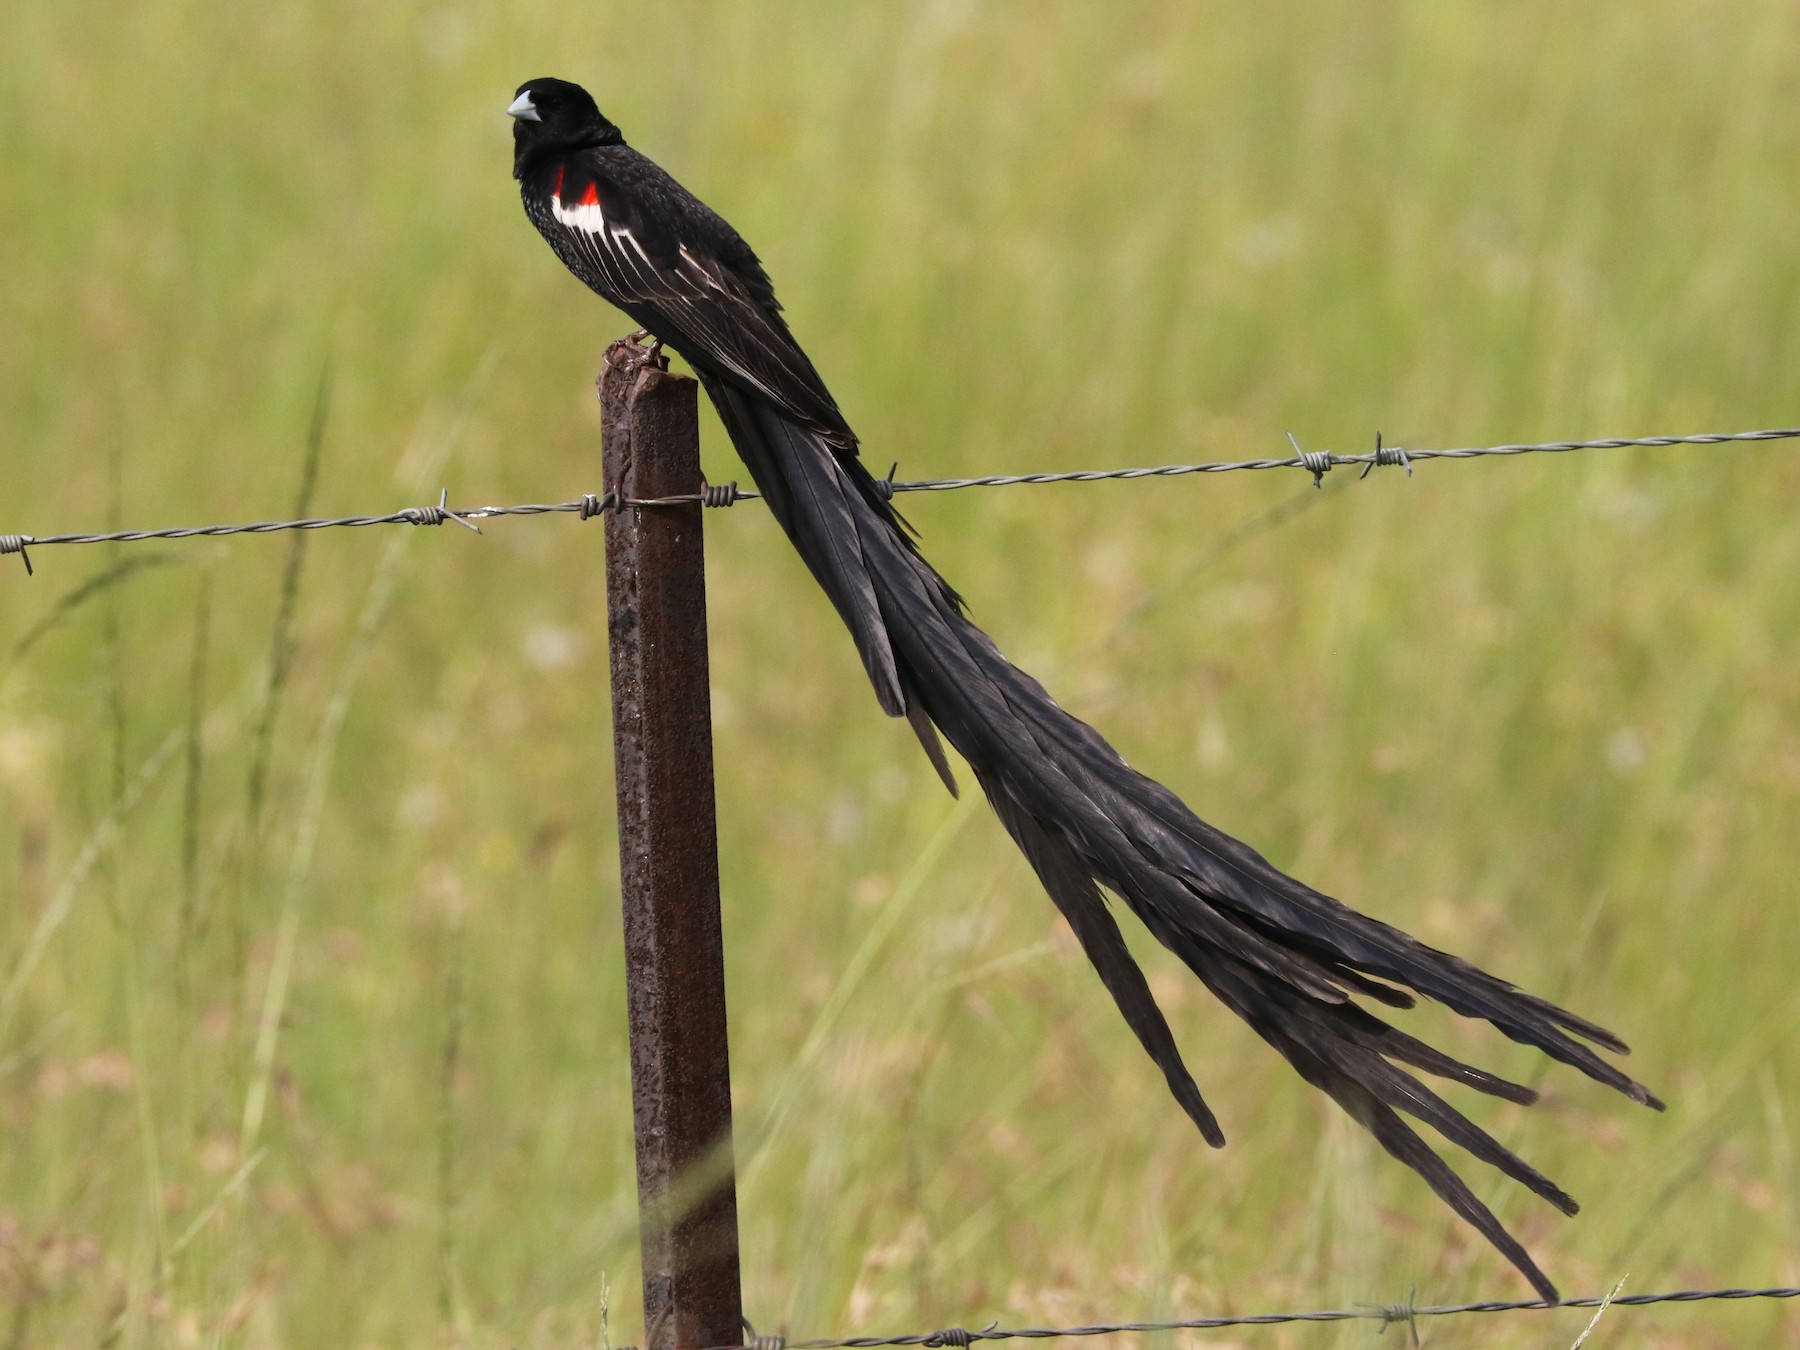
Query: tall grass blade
{"type": "Point", "coordinates": [382, 588]}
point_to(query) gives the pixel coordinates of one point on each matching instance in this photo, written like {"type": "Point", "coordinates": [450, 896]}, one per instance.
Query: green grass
{"type": "Point", "coordinates": [357, 1076]}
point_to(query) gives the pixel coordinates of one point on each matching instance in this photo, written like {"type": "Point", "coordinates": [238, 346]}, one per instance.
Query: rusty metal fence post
{"type": "Point", "coordinates": [668, 859]}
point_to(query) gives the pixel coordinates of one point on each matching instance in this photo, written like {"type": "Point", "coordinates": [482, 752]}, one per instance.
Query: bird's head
{"type": "Point", "coordinates": [554, 116]}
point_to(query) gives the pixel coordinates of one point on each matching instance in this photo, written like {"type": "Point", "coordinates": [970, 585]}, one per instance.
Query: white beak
{"type": "Point", "coordinates": [521, 108]}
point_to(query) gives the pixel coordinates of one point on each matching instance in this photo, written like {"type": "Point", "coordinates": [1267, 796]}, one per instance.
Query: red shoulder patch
{"type": "Point", "coordinates": [592, 196]}
{"type": "Point", "coordinates": [556, 191]}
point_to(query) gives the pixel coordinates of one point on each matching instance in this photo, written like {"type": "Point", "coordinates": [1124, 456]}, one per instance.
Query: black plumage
{"type": "Point", "coordinates": [1287, 959]}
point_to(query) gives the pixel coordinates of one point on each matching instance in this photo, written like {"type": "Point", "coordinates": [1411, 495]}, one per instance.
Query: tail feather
{"type": "Point", "coordinates": [1287, 959]}
{"type": "Point", "coordinates": [818, 511]}
{"type": "Point", "coordinates": [1304, 1032]}
{"type": "Point", "coordinates": [920, 722]}
{"type": "Point", "coordinates": [1081, 903]}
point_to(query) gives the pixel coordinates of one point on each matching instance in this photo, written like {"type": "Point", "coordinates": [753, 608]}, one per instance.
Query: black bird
{"type": "Point", "coordinates": [1290, 961]}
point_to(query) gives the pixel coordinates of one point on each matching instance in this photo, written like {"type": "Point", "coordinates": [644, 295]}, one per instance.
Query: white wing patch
{"type": "Point", "coordinates": [586, 216]}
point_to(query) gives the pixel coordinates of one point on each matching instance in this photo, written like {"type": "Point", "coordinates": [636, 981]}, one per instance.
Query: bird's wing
{"type": "Point", "coordinates": [686, 276]}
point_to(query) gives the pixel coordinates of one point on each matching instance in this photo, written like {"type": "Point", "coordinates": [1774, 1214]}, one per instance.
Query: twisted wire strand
{"type": "Point", "coordinates": [1316, 462]}
{"type": "Point", "coordinates": [1387, 1314]}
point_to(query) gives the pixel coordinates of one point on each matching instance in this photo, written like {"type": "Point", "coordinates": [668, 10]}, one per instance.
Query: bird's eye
{"type": "Point", "coordinates": [523, 108]}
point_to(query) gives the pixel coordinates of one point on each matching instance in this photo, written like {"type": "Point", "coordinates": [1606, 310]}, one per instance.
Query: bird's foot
{"type": "Point", "coordinates": [652, 355]}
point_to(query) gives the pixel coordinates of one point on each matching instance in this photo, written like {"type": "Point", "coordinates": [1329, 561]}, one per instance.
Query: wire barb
{"type": "Point", "coordinates": [1386, 454]}
{"type": "Point", "coordinates": [959, 1337]}
{"type": "Point", "coordinates": [721, 494]}
{"type": "Point", "coordinates": [437, 515]}
{"type": "Point", "coordinates": [1401, 1314]}
{"type": "Point", "coordinates": [1318, 463]}
{"type": "Point", "coordinates": [15, 543]}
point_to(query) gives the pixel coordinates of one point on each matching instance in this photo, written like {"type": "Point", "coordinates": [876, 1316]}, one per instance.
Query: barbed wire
{"type": "Point", "coordinates": [1388, 1314]}
{"type": "Point", "coordinates": [1316, 462]}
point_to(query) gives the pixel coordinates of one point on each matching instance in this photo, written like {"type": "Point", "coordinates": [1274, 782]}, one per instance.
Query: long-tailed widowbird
{"type": "Point", "coordinates": [1290, 961]}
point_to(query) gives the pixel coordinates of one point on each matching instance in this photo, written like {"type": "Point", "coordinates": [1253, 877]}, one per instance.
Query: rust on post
{"type": "Point", "coordinates": [668, 858]}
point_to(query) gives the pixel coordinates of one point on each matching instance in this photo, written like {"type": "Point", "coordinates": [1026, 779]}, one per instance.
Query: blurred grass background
{"type": "Point", "coordinates": [311, 1023]}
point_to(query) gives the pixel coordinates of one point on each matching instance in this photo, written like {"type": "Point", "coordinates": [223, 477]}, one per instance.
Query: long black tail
{"type": "Point", "coordinates": [1284, 957]}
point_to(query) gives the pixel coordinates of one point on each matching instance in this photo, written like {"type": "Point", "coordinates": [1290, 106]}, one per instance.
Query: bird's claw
{"type": "Point", "coordinates": [652, 354]}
